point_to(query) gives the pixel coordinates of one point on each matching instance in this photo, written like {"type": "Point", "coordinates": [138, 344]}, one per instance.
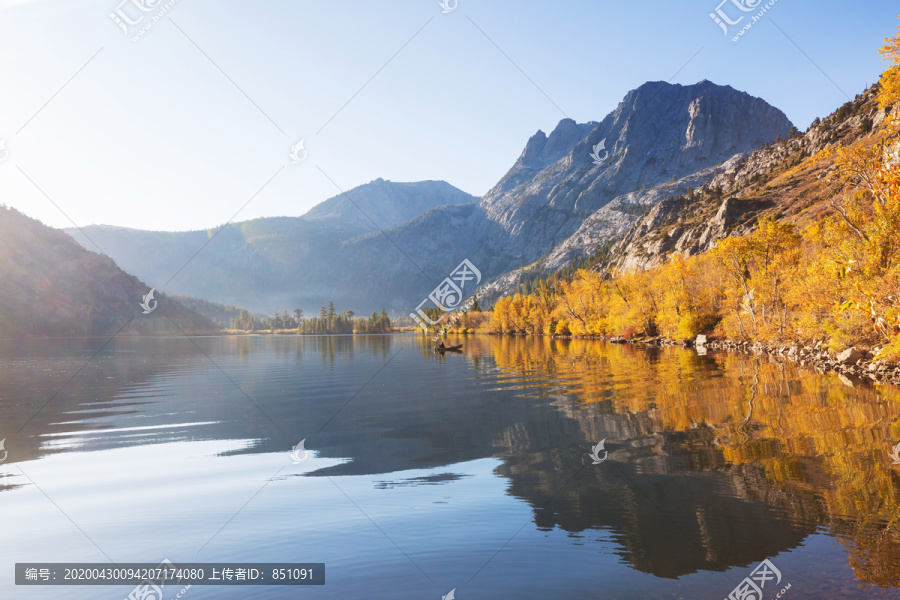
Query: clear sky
{"type": "Point", "coordinates": [187, 126]}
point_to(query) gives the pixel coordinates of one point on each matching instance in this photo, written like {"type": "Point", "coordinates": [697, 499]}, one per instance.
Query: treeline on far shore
{"type": "Point", "coordinates": [328, 321]}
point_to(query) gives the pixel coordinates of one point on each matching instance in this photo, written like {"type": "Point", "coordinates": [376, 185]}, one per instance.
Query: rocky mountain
{"type": "Point", "coordinates": [788, 180]}
{"type": "Point", "coordinates": [661, 140]}
{"type": "Point", "coordinates": [556, 204]}
{"type": "Point", "coordinates": [53, 287]}
{"type": "Point", "coordinates": [568, 192]}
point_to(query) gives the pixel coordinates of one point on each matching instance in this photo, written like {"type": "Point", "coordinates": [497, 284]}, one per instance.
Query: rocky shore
{"type": "Point", "coordinates": [853, 365]}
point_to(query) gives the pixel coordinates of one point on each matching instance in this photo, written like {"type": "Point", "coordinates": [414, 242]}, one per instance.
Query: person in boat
{"type": "Point", "coordinates": [441, 346]}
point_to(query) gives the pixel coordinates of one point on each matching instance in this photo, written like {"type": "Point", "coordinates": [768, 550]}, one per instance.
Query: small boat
{"type": "Point", "coordinates": [442, 348]}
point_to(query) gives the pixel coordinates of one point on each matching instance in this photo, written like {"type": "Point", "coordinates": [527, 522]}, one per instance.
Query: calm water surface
{"type": "Point", "coordinates": [426, 473]}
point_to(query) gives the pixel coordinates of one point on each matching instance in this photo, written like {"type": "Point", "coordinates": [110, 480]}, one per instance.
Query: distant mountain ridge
{"type": "Point", "coordinates": [276, 263]}
{"type": "Point", "coordinates": [386, 204]}
{"type": "Point", "coordinates": [555, 204]}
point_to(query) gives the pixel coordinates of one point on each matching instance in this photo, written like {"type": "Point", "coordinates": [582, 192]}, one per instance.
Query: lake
{"type": "Point", "coordinates": [472, 472]}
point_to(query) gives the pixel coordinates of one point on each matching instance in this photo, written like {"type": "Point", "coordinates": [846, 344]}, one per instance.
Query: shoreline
{"type": "Point", "coordinates": [853, 362]}
{"type": "Point", "coordinates": [858, 363]}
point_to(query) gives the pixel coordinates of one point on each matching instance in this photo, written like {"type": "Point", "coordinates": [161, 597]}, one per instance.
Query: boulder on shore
{"type": "Point", "coordinates": [700, 341]}
{"type": "Point", "coordinates": [849, 356]}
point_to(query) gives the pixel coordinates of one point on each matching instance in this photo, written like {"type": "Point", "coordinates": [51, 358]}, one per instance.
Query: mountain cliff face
{"type": "Point", "coordinates": [53, 287]}
{"type": "Point", "coordinates": [787, 180]}
{"type": "Point", "coordinates": [660, 140]}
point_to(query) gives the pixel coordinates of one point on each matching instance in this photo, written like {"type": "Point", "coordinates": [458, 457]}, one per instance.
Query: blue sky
{"type": "Point", "coordinates": [193, 123]}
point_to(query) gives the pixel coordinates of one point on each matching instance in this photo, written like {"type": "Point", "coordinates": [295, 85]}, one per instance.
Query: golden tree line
{"type": "Point", "coordinates": [836, 281]}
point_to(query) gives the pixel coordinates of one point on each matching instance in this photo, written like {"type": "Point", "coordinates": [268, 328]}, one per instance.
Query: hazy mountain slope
{"type": "Point", "coordinates": [278, 263]}
{"type": "Point", "coordinates": [244, 264]}
{"type": "Point", "coordinates": [399, 268]}
{"type": "Point", "coordinates": [54, 287]}
{"type": "Point", "coordinates": [219, 314]}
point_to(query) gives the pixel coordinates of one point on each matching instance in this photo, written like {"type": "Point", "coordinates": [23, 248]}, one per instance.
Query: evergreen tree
{"type": "Point", "coordinates": [330, 317]}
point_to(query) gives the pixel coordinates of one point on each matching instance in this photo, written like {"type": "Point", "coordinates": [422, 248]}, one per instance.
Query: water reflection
{"type": "Point", "coordinates": [714, 461]}
{"type": "Point", "coordinates": [742, 453]}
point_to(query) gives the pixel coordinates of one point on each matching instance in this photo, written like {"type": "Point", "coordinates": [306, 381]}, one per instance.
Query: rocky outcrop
{"type": "Point", "coordinates": [660, 232]}
{"type": "Point", "coordinates": [541, 150]}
